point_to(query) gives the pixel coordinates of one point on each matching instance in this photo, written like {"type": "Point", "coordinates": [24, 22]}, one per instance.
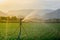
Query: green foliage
{"type": "Point", "coordinates": [30, 31]}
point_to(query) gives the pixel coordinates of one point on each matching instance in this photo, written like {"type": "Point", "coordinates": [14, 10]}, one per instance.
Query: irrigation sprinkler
{"type": "Point", "coordinates": [19, 35]}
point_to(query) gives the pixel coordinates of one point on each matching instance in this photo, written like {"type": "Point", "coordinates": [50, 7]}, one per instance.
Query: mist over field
{"type": "Point", "coordinates": [29, 19]}
{"type": "Point", "coordinates": [31, 15]}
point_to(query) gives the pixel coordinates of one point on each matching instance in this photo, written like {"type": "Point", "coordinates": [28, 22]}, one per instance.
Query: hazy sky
{"type": "Point", "coordinates": [29, 4]}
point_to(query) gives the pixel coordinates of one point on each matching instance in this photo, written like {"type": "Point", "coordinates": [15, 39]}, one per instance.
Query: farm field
{"type": "Point", "coordinates": [30, 31]}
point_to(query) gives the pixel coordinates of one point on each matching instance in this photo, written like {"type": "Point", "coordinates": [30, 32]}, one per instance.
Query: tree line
{"type": "Point", "coordinates": [14, 19]}
{"type": "Point", "coordinates": [9, 19]}
{"type": "Point", "coordinates": [54, 20]}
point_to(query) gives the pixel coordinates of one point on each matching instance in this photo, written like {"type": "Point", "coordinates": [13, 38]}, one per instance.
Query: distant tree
{"type": "Point", "coordinates": [3, 18]}
{"type": "Point", "coordinates": [13, 18]}
{"type": "Point", "coordinates": [57, 20]}
{"type": "Point", "coordinates": [53, 20]}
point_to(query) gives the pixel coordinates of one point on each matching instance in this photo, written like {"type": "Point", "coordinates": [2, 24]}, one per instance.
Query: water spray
{"type": "Point", "coordinates": [21, 21]}
{"type": "Point", "coordinates": [29, 16]}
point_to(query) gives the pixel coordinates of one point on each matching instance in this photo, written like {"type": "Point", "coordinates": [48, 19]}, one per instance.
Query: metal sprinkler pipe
{"type": "Point", "coordinates": [19, 36]}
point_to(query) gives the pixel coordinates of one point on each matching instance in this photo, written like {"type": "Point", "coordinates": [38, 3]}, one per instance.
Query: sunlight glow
{"type": "Point", "coordinates": [2, 1]}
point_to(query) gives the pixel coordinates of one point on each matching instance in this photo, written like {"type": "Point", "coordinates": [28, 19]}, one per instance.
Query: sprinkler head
{"type": "Point", "coordinates": [21, 18]}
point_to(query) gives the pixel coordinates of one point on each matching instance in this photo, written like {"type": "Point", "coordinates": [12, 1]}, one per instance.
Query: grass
{"type": "Point", "coordinates": [30, 31]}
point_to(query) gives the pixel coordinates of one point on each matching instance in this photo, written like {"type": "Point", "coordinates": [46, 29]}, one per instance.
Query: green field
{"type": "Point", "coordinates": [30, 31]}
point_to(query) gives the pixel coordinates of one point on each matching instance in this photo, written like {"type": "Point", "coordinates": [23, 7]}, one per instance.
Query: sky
{"type": "Point", "coordinates": [7, 5]}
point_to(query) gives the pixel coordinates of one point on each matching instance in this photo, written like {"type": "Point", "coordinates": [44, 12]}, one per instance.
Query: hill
{"type": "Point", "coordinates": [55, 14]}
{"type": "Point", "coordinates": [25, 12]}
